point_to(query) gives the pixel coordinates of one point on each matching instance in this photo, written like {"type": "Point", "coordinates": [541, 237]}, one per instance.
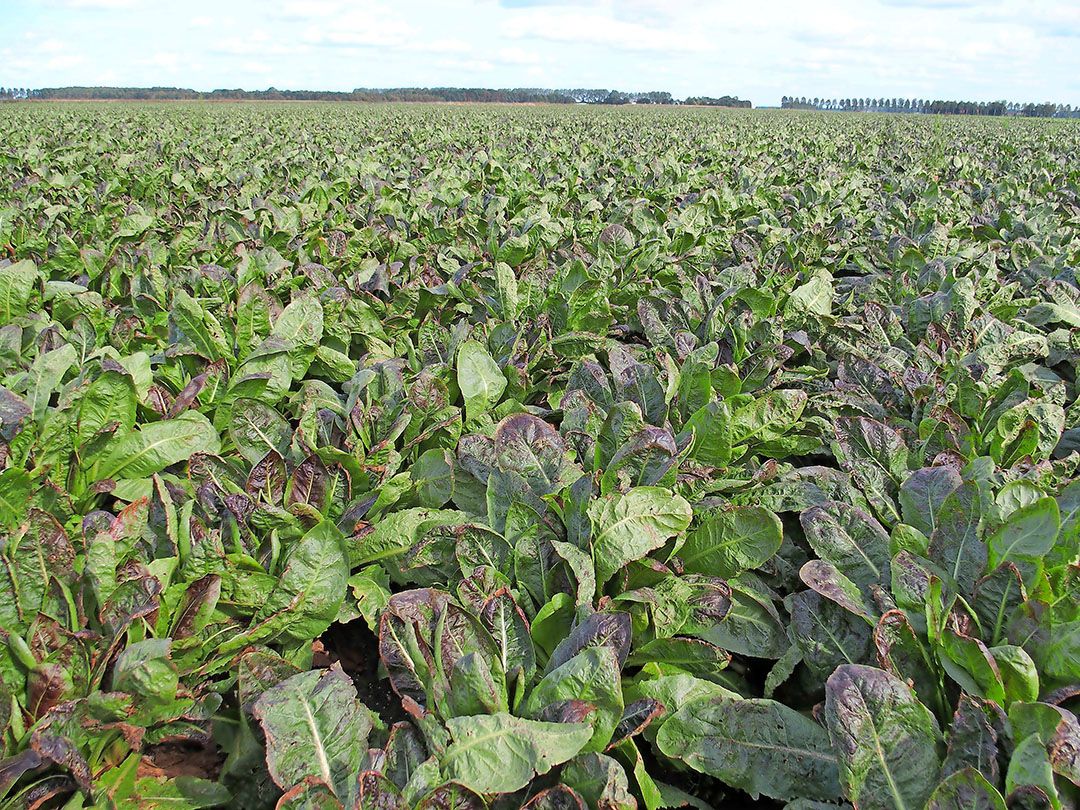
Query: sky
{"type": "Point", "coordinates": [980, 50]}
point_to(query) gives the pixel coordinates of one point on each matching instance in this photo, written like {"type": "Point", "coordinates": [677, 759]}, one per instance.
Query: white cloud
{"type": "Point", "coordinates": [516, 56]}
{"type": "Point", "coordinates": [310, 9]}
{"type": "Point", "coordinates": [64, 61]}
{"type": "Point", "coordinates": [101, 5]}
{"type": "Point", "coordinates": [256, 43]}
{"type": "Point", "coordinates": [164, 59]}
{"type": "Point", "coordinates": [442, 46]}
{"type": "Point", "coordinates": [468, 65]}
{"type": "Point", "coordinates": [372, 25]}
{"type": "Point", "coordinates": [934, 4]}
{"type": "Point", "coordinates": [595, 27]}
{"type": "Point", "coordinates": [48, 53]}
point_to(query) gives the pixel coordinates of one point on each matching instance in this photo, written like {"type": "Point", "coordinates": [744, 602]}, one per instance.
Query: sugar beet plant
{"type": "Point", "coordinates": [462, 458]}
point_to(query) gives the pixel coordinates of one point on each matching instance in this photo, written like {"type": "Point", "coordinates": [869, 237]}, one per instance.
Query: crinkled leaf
{"type": "Point", "coordinates": [627, 527]}
{"type": "Point", "coordinates": [728, 543]}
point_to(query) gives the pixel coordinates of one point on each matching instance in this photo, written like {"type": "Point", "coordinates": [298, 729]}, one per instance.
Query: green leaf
{"type": "Point", "coordinates": [315, 727]}
{"type": "Point", "coordinates": [134, 225]}
{"type": "Point", "coordinates": [506, 622]}
{"type": "Point", "coordinates": [591, 676]}
{"type": "Point", "coordinates": [851, 540]}
{"type": "Point", "coordinates": [257, 429]}
{"type": "Point", "coordinates": [1057, 727]}
{"type": "Point", "coordinates": [1028, 535]}
{"type": "Point", "coordinates": [826, 634]}
{"type": "Point", "coordinates": [887, 742]}
{"type": "Point", "coordinates": [145, 669]}
{"type": "Point", "coordinates": [827, 580]}
{"type": "Point", "coordinates": [15, 490]}
{"type": "Point", "coordinates": [923, 493]}
{"type": "Point", "coordinates": [1019, 675]}
{"type": "Point", "coordinates": [956, 544]}
{"type": "Point", "coordinates": [769, 417]}
{"type": "Point", "coordinates": [752, 627]}
{"type": "Point", "coordinates": [728, 543]}
{"type": "Point", "coordinates": [17, 283]}
{"type": "Point", "coordinates": [600, 781]}
{"type": "Point", "coordinates": [1068, 546]}
{"type": "Point", "coordinates": [38, 558]}
{"type": "Point", "coordinates": [760, 746]}
{"type": "Point", "coordinates": [433, 476]}
{"type": "Point", "coordinates": [478, 376]}
{"type": "Point", "coordinates": [627, 527]}
{"type": "Point", "coordinates": [370, 587]}
{"type": "Point", "coordinates": [814, 298]}
{"type": "Point", "coordinates": [180, 792]}
{"type": "Point", "coordinates": [158, 445]}
{"type": "Point", "coordinates": [1030, 766]}
{"type": "Point", "coordinates": [399, 532]}
{"type": "Point", "coordinates": [300, 325]}
{"type": "Point", "coordinates": [109, 398]}
{"type": "Point", "coordinates": [45, 375]}
{"type": "Point", "coordinates": [711, 425]}
{"type": "Point", "coordinates": [507, 284]}
{"type": "Point", "coordinates": [309, 593]}
{"type": "Point", "coordinates": [998, 596]}
{"type": "Point", "coordinates": [877, 458]}
{"type": "Point", "coordinates": [499, 753]}
{"type": "Point", "coordinates": [970, 664]}
{"type": "Point", "coordinates": [693, 655]}
{"type": "Point", "coordinates": [965, 790]}
{"type": "Point", "coordinates": [193, 321]}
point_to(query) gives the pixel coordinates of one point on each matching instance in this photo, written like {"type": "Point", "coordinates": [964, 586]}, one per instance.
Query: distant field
{"type": "Point", "coordinates": [466, 456]}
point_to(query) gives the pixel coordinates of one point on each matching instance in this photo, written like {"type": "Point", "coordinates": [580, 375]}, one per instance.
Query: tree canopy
{"type": "Point", "coordinates": [927, 107]}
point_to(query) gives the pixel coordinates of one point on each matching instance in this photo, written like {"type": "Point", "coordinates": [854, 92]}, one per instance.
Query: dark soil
{"type": "Point", "coordinates": [356, 648]}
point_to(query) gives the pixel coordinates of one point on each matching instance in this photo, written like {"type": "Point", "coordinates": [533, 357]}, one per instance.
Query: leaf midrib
{"type": "Point", "coordinates": [324, 764]}
{"type": "Point", "coordinates": [152, 446]}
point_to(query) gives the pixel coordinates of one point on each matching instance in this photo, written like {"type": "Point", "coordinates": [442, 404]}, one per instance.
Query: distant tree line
{"type": "Point", "coordinates": [603, 96]}
{"type": "Point", "coordinates": [928, 107]}
{"type": "Point", "coordinates": [518, 95]}
{"type": "Point", "coordinates": [723, 101]}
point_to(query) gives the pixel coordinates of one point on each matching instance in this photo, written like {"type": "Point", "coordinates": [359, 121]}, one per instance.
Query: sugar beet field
{"type": "Point", "coordinates": [457, 457]}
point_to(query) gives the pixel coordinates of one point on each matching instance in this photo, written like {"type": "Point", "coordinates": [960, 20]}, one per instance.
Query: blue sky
{"type": "Point", "coordinates": [1023, 50]}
